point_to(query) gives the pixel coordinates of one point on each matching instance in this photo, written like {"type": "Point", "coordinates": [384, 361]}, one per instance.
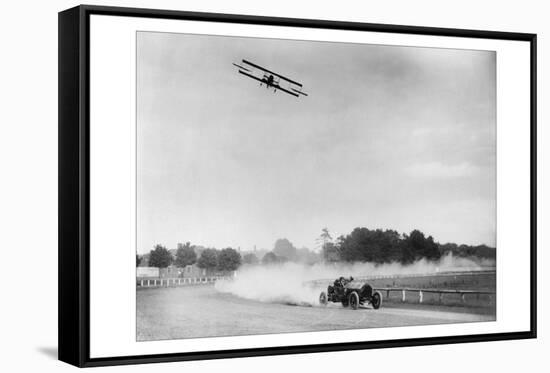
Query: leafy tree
{"type": "Point", "coordinates": [185, 255]}
{"type": "Point", "coordinates": [385, 246]}
{"type": "Point", "coordinates": [423, 247]}
{"type": "Point", "coordinates": [208, 259]}
{"type": "Point", "coordinates": [479, 251]}
{"type": "Point", "coordinates": [229, 259]}
{"type": "Point", "coordinates": [250, 258]}
{"type": "Point", "coordinates": [324, 238]}
{"type": "Point", "coordinates": [272, 258]}
{"type": "Point", "coordinates": [331, 252]}
{"type": "Point", "coordinates": [431, 249]}
{"type": "Point", "coordinates": [359, 246]}
{"type": "Point", "coordinates": [448, 248]}
{"type": "Point", "coordinates": [284, 248]}
{"type": "Point", "coordinates": [138, 260]}
{"type": "Point", "coordinates": [407, 252]}
{"type": "Point", "coordinates": [484, 251]}
{"type": "Point", "coordinates": [160, 257]}
{"type": "Point", "coordinates": [417, 241]}
{"type": "Point", "coordinates": [376, 246]}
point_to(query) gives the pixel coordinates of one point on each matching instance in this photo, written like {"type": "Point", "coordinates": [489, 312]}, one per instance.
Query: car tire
{"type": "Point", "coordinates": [345, 302]}
{"type": "Point", "coordinates": [376, 300]}
{"type": "Point", "coordinates": [353, 300]}
{"type": "Point", "coordinates": [323, 299]}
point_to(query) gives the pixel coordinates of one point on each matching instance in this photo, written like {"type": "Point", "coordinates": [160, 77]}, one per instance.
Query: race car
{"type": "Point", "coordinates": [351, 294]}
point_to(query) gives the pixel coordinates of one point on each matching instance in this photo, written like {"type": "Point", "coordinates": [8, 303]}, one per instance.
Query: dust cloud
{"type": "Point", "coordinates": [292, 283]}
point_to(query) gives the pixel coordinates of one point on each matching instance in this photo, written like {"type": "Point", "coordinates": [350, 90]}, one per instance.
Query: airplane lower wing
{"type": "Point", "coordinates": [252, 76]}
{"type": "Point", "coordinates": [263, 81]}
{"type": "Point", "coordinates": [284, 90]}
{"type": "Point", "coordinates": [299, 92]}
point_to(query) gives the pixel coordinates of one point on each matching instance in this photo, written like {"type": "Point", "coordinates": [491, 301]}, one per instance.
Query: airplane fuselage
{"type": "Point", "coordinates": [270, 79]}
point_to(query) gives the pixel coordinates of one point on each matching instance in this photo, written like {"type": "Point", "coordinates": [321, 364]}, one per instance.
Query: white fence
{"type": "Point", "coordinates": [184, 281]}
{"type": "Point", "coordinates": [465, 295]}
{"type": "Point", "coordinates": [327, 281]}
{"type": "Point", "coordinates": [439, 292]}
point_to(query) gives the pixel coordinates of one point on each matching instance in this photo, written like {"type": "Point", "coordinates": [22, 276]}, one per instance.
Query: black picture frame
{"type": "Point", "coordinates": [74, 183]}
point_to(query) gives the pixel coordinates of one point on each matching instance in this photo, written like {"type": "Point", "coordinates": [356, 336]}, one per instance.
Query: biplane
{"type": "Point", "coordinates": [270, 79]}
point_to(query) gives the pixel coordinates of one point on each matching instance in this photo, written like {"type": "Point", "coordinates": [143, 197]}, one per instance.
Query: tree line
{"type": "Point", "coordinates": [227, 259]}
{"type": "Point", "coordinates": [224, 260]}
{"type": "Point", "coordinates": [284, 251]}
{"type": "Point", "coordinates": [361, 245]}
{"type": "Point", "coordinates": [386, 246]}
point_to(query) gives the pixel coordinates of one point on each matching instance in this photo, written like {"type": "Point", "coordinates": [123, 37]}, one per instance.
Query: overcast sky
{"type": "Point", "coordinates": [389, 137]}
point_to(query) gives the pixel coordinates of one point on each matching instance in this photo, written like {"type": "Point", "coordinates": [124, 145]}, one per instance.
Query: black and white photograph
{"type": "Point", "coordinates": [288, 186]}
{"type": "Point", "coordinates": [275, 186]}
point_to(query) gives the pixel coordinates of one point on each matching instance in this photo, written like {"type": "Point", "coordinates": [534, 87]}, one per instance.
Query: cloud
{"type": "Point", "coordinates": [438, 170]}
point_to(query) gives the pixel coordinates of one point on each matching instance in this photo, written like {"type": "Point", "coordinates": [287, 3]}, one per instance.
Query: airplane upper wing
{"type": "Point", "coordinates": [271, 72]}
{"type": "Point", "coordinates": [241, 67]}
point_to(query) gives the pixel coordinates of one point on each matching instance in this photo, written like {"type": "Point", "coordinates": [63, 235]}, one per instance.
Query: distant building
{"type": "Point", "coordinates": [169, 272]}
{"type": "Point", "coordinates": [193, 271]}
{"type": "Point", "coordinates": [147, 272]}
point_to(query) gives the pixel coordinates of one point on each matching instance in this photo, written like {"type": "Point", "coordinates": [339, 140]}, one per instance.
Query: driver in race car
{"type": "Point", "coordinates": [341, 282]}
{"type": "Point", "coordinates": [347, 280]}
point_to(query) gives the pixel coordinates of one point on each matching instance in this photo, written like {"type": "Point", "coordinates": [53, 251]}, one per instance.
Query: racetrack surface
{"type": "Point", "coordinates": [202, 311]}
